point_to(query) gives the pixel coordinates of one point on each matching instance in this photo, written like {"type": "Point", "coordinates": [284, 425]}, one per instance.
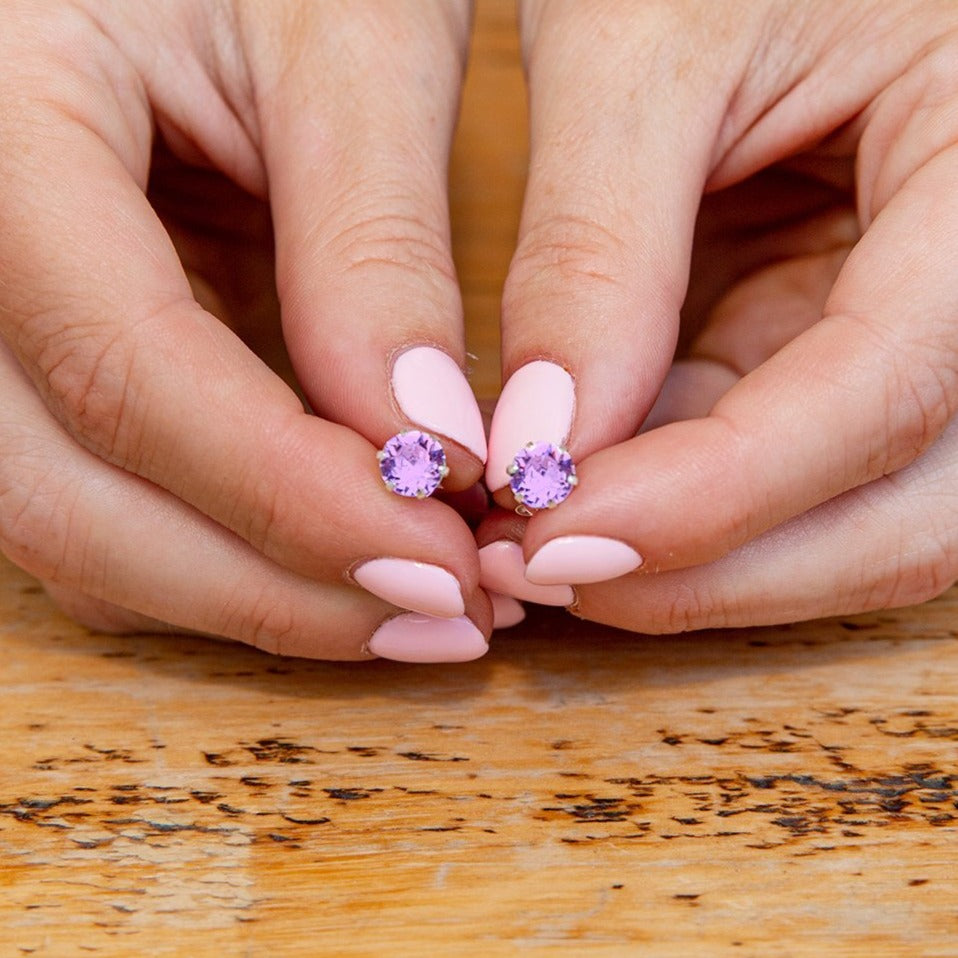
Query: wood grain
{"type": "Point", "coordinates": [789, 791]}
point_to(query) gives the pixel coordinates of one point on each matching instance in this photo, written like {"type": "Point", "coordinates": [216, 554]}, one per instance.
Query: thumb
{"type": "Point", "coordinates": [356, 140]}
{"type": "Point", "coordinates": [617, 169]}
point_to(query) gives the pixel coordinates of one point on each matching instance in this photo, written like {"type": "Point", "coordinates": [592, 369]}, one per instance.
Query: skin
{"type": "Point", "coordinates": [156, 465]}
{"type": "Point", "coordinates": [153, 466]}
{"type": "Point", "coordinates": [805, 457]}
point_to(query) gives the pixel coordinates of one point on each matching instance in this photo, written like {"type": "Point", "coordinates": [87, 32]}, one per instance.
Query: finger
{"type": "Point", "coordinates": [123, 553]}
{"type": "Point", "coordinates": [502, 567]}
{"type": "Point", "coordinates": [98, 615]}
{"type": "Point", "coordinates": [891, 543]}
{"type": "Point", "coordinates": [96, 307]}
{"type": "Point", "coordinates": [857, 396]}
{"type": "Point", "coordinates": [591, 304]}
{"type": "Point", "coordinates": [371, 307]}
{"type": "Point", "coordinates": [750, 324]}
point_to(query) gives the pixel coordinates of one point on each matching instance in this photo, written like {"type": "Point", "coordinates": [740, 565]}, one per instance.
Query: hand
{"type": "Point", "coordinates": [153, 467]}
{"type": "Point", "coordinates": [802, 456]}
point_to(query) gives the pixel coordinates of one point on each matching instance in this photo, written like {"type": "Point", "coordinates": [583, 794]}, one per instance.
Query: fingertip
{"type": "Point", "coordinates": [417, 638]}
{"type": "Point", "coordinates": [507, 612]}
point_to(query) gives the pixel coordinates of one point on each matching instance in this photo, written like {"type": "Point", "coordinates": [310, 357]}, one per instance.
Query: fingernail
{"type": "Point", "coordinates": [581, 559]}
{"type": "Point", "coordinates": [506, 611]}
{"type": "Point", "coordinates": [536, 404]}
{"type": "Point", "coordinates": [502, 569]}
{"type": "Point", "coordinates": [423, 638]}
{"type": "Point", "coordinates": [417, 586]}
{"type": "Point", "coordinates": [432, 391]}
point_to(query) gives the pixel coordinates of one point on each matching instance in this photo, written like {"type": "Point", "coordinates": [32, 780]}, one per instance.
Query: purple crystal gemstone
{"type": "Point", "coordinates": [542, 475]}
{"type": "Point", "coordinates": [412, 464]}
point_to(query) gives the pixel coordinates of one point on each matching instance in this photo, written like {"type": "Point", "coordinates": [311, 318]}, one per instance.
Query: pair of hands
{"type": "Point", "coordinates": [733, 298]}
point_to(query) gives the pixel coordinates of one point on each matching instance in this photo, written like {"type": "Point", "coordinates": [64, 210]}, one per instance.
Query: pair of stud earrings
{"type": "Point", "coordinates": [413, 464]}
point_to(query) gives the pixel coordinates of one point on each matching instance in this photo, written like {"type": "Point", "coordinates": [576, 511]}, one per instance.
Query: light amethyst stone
{"type": "Point", "coordinates": [412, 464]}
{"type": "Point", "coordinates": [543, 475]}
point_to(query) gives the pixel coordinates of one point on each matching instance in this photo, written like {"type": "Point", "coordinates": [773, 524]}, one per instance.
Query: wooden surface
{"type": "Point", "coordinates": [787, 792]}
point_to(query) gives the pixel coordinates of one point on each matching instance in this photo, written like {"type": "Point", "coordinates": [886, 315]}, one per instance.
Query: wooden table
{"type": "Point", "coordinates": [787, 792]}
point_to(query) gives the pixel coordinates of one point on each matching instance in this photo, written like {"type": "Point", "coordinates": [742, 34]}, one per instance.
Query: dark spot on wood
{"type": "Point", "coordinates": [115, 754]}
{"type": "Point", "coordinates": [441, 828]}
{"type": "Point", "coordinates": [595, 809]}
{"type": "Point", "coordinates": [169, 827]}
{"type": "Point", "coordinates": [204, 798]}
{"type": "Point", "coordinates": [672, 739]}
{"type": "Point", "coordinates": [230, 809]}
{"type": "Point", "coordinates": [280, 750]}
{"type": "Point", "coordinates": [617, 886]}
{"type": "Point", "coordinates": [307, 821]}
{"type": "Point", "coordinates": [278, 838]}
{"type": "Point", "coordinates": [713, 741]}
{"type": "Point", "coordinates": [427, 757]}
{"type": "Point", "coordinates": [687, 897]}
{"type": "Point", "coordinates": [364, 751]}
{"type": "Point", "coordinates": [915, 882]}
{"type": "Point", "coordinates": [346, 794]}
{"type": "Point", "coordinates": [93, 842]}
{"type": "Point", "coordinates": [216, 759]}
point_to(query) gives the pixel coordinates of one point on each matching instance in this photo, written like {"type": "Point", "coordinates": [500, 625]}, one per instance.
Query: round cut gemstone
{"type": "Point", "coordinates": [413, 464]}
{"type": "Point", "coordinates": [542, 475]}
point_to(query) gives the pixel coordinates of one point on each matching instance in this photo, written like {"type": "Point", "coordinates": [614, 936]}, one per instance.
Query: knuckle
{"type": "Point", "coordinates": [264, 621]}
{"type": "Point", "coordinates": [920, 405]}
{"type": "Point", "coordinates": [86, 371]}
{"type": "Point", "coordinates": [918, 389]}
{"type": "Point", "coordinates": [690, 609]}
{"type": "Point", "coordinates": [95, 378]}
{"type": "Point", "coordinates": [35, 513]}
{"type": "Point", "coordinates": [566, 249]}
{"type": "Point", "coordinates": [393, 232]}
{"type": "Point", "coordinates": [916, 575]}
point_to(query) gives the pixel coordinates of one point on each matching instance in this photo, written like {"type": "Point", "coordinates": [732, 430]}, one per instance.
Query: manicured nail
{"type": "Point", "coordinates": [537, 404]}
{"type": "Point", "coordinates": [432, 391]}
{"type": "Point", "coordinates": [422, 638]}
{"type": "Point", "coordinates": [506, 611]}
{"type": "Point", "coordinates": [502, 569]}
{"type": "Point", "coordinates": [581, 559]}
{"type": "Point", "coordinates": [417, 586]}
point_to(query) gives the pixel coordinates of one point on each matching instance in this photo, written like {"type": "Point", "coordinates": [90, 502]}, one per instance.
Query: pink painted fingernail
{"type": "Point", "coordinates": [422, 638]}
{"type": "Point", "coordinates": [432, 391]}
{"type": "Point", "coordinates": [537, 404]}
{"type": "Point", "coordinates": [506, 611]}
{"type": "Point", "coordinates": [418, 586]}
{"type": "Point", "coordinates": [502, 569]}
{"type": "Point", "coordinates": [581, 559]}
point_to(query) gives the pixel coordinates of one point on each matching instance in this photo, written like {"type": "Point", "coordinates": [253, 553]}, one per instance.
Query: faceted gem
{"type": "Point", "coordinates": [542, 475]}
{"type": "Point", "coordinates": [412, 464]}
